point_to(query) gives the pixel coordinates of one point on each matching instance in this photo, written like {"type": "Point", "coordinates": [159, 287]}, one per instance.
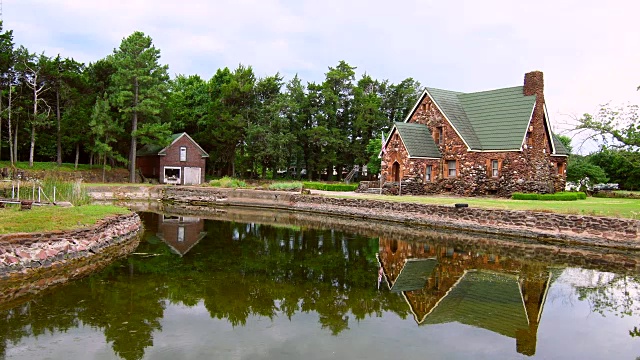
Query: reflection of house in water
{"type": "Point", "coordinates": [181, 233]}
{"type": "Point", "coordinates": [442, 285]}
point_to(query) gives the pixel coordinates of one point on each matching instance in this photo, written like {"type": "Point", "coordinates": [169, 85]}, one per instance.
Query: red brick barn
{"type": "Point", "coordinates": [181, 163]}
{"type": "Point", "coordinates": [489, 142]}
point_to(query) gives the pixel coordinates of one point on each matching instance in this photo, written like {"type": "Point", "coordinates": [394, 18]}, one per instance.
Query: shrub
{"type": "Point", "coordinates": [228, 182]}
{"type": "Point", "coordinates": [330, 187]}
{"type": "Point", "coordinates": [559, 197]}
{"type": "Point", "coordinates": [286, 186]}
{"type": "Point", "coordinates": [521, 196]}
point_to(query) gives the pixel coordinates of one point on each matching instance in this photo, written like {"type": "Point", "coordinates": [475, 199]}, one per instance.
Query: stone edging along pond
{"type": "Point", "coordinates": [548, 227]}
{"type": "Point", "coordinates": [27, 253]}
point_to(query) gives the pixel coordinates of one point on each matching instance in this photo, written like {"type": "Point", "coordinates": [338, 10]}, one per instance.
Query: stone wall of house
{"type": "Point", "coordinates": [531, 170]}
{"type": "Point", "coordinates": [24, 253]}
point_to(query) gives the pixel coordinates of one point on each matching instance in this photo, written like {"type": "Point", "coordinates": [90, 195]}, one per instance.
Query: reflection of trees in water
{"type": "Point", "coordinates": [238, 271]}
{"type": "Point", "coordinates": [608, 293]}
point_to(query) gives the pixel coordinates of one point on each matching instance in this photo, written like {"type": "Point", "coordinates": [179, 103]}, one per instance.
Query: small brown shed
{"type": "Point", "coordinates": [181, 163]}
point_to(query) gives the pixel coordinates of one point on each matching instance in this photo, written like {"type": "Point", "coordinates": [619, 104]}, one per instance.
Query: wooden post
{"type": "Point", "coordinates": [39, 190]}
{"type": "Point", "coordinates": [18, 197]}
{"type": "Point", "coordinates": [54, 194]}
{"type": "Point", "coordinates": [33, 192]}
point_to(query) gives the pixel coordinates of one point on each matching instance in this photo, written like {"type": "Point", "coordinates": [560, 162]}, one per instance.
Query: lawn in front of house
{"type": "Point", "coordinates": [24, 165]}
{"type": "Point", "coordinates": [623, 208]}
{"type": "Point", "coordinates": [50, 218]}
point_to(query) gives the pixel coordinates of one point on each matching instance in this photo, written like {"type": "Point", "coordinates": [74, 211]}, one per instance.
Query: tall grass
{"type": "Point", "coordinates": [71, 191]}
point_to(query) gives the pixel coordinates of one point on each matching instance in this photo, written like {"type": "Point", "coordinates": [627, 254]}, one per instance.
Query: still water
{"type": "Point", "coordinates": [202, 289]}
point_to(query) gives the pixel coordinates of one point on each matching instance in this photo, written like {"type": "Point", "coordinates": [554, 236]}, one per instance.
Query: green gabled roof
{"type": "Point", "coordinates": [449, 102]}
{"type": "Point", "coordinates": [487, 120]}
{"type": "Point", "coordinates": [487, 300]}
{"type": "Point", "coordinates": [150, 149]}
{"type": "Point", "coordinates": [414, 274]}
{"type": "Point", "coordinates": [417, 139]}
{"type": "Point", "coordinates": [559, 146]}
{"type": "Point", "coordinates": [499, 117]}
{"type": "Point", "coordinates": [161, 150]}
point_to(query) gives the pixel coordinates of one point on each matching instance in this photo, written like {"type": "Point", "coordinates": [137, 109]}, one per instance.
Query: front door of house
{"type": "Point", "coordinates": [396, 171]}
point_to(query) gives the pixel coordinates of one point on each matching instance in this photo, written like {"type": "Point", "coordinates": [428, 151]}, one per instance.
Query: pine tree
{"type": "Point", "coordinates": [139, 86]}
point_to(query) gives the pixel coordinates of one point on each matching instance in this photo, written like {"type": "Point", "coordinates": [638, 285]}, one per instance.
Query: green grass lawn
{"type": "Point", "coordinates": [49, 218]}
{"type": "Point", "coordinates": [47, 166]}
{"type": "Point", "coordinates": [625, 208]}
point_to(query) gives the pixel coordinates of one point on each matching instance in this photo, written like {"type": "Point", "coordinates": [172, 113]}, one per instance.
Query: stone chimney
{"type": "Point", "coordinates": [533, 84]}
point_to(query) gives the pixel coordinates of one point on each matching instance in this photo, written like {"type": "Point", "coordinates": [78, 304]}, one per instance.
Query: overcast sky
{"type": "Point", "coordinates": [588, 50]}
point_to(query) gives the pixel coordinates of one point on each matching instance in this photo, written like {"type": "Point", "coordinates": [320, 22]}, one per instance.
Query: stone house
{"type": "Point", "coordinates": [182, 162]}
{"type": "Point", "coordinates": [489, 142]}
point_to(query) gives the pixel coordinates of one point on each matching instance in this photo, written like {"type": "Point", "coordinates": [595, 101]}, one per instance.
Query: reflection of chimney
{"type": "Point", "coordinates": [534, 84]}
{"type": "Point", "coordinates": [526, 340]}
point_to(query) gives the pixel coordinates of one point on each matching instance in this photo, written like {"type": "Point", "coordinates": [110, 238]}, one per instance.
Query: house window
{"type": "Point", "coordinates": [428, 173]}
{"type": "Point", "coordinates": [439, 136]}
{"type": "Point", "coordinates": [494, 168]}
{"type": "Point", "coordinates": [183, 153]}
{"type": "Point", "coordinates": [560, 169]}
{"type": "Point", "coordinates": [451, 165]}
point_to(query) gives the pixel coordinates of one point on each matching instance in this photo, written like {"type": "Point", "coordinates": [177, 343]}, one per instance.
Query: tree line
{"type": "Point", "coordinates": [58, 109]}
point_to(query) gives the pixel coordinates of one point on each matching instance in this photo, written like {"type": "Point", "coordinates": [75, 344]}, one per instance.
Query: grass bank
{"type": "Point", "coordinates": [24, 165]}
{"type": "Point", "coordinates": [623, 208]}
{"type": "Point", "coordinates": [50, 218]}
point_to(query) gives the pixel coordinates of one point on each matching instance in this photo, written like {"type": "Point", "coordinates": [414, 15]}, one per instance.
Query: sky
{"type": "Point", "coordinates": [587, 50]}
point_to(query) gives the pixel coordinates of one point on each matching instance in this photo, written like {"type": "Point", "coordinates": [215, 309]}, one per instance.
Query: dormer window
{"type": "Point", "coordinates": [183, 153]}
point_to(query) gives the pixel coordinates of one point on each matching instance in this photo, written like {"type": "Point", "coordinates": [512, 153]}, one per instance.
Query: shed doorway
{"type": "Point", "coordinates": [191, 176]}
{"type": "Point", "coordinates": [395, 172]}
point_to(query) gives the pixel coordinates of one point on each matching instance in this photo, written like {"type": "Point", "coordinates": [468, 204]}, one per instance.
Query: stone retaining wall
{"type": "Point", "coordinates": [592, 230]}
{"type": "Point", "coordinates": [22, 253]}
{"type": "Point", "coordinates": [605, 259]}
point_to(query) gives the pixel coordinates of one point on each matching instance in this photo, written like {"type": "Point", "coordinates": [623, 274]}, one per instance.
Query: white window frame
{"type": "Point", "coordinates": [428, 174]}
{"type": "Point", "coordinates": [178, 181]}
{"type": "Point", "coordinates": [183, 153]}
{"type": "Point", "coordinates": [450, 169]}
{"type": "Point", "coordinates": [495, 172]}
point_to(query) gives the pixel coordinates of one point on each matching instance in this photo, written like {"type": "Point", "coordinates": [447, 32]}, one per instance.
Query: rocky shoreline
{"type": "Point", "coordinates": [25, 253]}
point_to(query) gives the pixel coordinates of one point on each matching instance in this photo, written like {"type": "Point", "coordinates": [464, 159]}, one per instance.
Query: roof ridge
{"type": "Point", "coordinates": [492, 90]}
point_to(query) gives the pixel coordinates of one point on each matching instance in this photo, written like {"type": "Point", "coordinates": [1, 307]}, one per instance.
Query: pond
{"type": "Point", "coordinates": [275, 286]}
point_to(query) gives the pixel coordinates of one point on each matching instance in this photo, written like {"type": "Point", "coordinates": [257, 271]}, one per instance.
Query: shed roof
{"type": "Point", "coordinates": [152, 149]}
